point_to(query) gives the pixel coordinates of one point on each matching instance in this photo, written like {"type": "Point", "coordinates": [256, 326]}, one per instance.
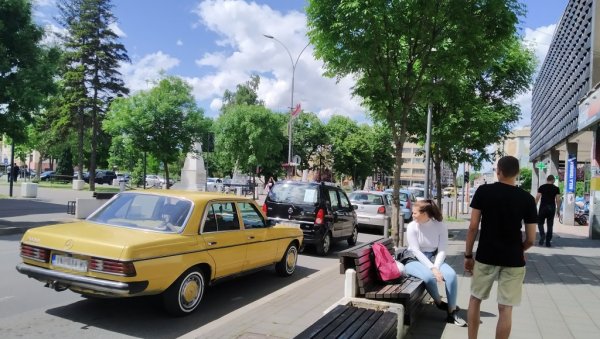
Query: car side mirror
{"type": "Point", "coordinates": [354, 207]}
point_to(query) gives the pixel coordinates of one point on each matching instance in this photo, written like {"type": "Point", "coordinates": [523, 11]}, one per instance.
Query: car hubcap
{"type": "Point", "coordinates": [292, 257]}
{"type": "Point", "coordinates": [190, 291]}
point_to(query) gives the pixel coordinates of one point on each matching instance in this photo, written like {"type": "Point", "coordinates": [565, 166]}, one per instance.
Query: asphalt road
{"type": "Point", "coordinates": [28, 309]}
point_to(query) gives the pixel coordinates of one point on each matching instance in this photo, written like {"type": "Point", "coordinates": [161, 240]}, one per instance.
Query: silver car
{"type": "Point", "coordinates": [374, 208]}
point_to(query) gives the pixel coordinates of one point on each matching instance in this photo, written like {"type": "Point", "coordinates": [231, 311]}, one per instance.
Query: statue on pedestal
{"type": "Point", "coordinates": [193, 173]}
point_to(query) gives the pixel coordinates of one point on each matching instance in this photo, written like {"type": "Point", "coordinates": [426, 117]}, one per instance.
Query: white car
{"type": "Point", "coordinates": [154, 180]}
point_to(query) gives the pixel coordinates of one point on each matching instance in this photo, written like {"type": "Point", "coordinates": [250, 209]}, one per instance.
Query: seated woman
{"type": "Point", "coordinates": [428, 240]}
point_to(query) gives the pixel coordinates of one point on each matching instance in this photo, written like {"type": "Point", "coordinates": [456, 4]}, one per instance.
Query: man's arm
{"type": "Point", "coordinates": [530, 230]}
{"type": "Point", "coordinates": [557, 199]}
{"type": "Point", "coordinates": [471, 235]}
{"type": "Point", "coordinates": [537, 198]}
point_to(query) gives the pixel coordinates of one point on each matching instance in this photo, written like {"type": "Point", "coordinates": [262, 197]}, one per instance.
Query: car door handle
{"type": "Point", "coordinates": [210, 243]}
{"type": "Point", "coordinates": [251, 237]}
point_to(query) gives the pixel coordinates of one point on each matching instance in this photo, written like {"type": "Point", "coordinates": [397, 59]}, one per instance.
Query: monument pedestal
{"type": "Point", "coordinates": [193, 174]}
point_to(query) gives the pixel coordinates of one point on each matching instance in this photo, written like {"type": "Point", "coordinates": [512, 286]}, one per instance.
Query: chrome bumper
{"type": "Point", "coordinates": [68, 280]}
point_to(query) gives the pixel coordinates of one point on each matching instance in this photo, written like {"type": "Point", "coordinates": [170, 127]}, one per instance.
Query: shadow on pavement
{"type": "Point", "coordinates": [144, 317]}
{"type": "Point", "coordinates": [19, 207]}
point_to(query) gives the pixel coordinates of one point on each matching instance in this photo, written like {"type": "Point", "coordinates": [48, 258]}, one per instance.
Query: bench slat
{"type": "Point", "coordinates": [322, 323]}
{"type": "Point", "coordinates": [343, 324]}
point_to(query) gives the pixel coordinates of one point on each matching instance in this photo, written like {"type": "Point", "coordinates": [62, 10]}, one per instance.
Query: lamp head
{"type": "Point", "coordinates": [268, 36]}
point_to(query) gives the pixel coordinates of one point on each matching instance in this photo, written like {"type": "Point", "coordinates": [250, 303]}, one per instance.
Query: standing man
{"type": "Point", "coordinates": [549, 195]}
{"type": "Point", "coordinates": [501, 208]}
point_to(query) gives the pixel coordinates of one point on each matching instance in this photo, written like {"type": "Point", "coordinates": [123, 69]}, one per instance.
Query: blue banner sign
{"type": "Point", "coordinates": [571, 175]}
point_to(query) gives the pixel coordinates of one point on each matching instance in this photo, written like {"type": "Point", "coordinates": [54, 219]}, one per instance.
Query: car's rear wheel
{"type": "Point", "coordinates": [185, 294]}
{"type": "Point", "coordinates": [353, 237]}
{"type": "Point", "coordinates": [325, 245]}
{"type": "Point", "coordinates": [287, 265]}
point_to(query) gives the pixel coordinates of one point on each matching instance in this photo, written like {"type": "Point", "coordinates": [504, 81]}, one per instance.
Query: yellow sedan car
{"type": "Point", "coordinates": [159, 242]}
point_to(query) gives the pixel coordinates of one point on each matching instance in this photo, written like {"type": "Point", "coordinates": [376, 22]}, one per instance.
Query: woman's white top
{"type": "Point", "coordinates": [428, 237]}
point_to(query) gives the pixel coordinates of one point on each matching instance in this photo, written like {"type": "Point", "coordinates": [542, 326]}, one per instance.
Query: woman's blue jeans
{"type": "Point", "coordinates": [416, 269]}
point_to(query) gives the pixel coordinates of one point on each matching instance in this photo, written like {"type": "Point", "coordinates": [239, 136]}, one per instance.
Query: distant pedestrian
{"type": "Point", "coordinates": [548, 195]}
{"type": "Point", "coordinates": [427, 239]}
{"type": "Point", "coordinates": [501, 208]}
{"type": "Point", "coordinates": [269, 185]}
{"type": "Point", "coordinates": [15, 172]}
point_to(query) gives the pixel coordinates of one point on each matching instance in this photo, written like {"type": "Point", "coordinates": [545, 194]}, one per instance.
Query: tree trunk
{"type": "Point", "coordinates": [166, 173]}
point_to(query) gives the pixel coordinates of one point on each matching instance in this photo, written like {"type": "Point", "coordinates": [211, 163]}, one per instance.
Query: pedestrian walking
{"type": "Point", "coordinates": [269, 185]}
{"type": "Point", "coordinates": [499, 209]}
{"type": "Point", "coordinates": [427, 239]}
{"type": "Point", "coordinates": [548, 195]}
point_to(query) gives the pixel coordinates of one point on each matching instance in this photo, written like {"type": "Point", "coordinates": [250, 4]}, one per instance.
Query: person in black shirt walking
{"type": "Point", "coordinates": [500, 210]}
{"type": "Point", "coordinates": [548, 195]}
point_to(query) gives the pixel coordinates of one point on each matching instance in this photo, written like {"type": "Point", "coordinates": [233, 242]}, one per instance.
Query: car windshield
{"type": "Point", "coordinates": [294, 194]}
{"type": "Point", "coordinates": [145, 211]}
{"type": "Point", "coordinates": [366, 198]}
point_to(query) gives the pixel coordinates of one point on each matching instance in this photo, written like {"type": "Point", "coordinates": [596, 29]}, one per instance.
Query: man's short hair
{"type": "Point", "coordinates": [509, 166]}
{"type": "Point", "coordinates": [550, 178]}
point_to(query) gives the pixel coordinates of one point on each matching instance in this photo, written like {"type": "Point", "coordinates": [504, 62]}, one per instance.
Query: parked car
{"type": "Point", "coordinates": [124, 177]}
{"type": "Point", "coordinates": [322, 210]}
{"type": "Point", "coordinates": [406, 201]}
{"type": "Point", "coordinates": [172, 243]}
{"type": "Point", "coordinates": [418, 192]}
{"type": "Point", "coordinates": [104, 177]}
{"type": "Point", "coordinates": [154, 180]}
{"type": "Point", "coordinates": [47, 175]}
{"type": "Point", "coordinates": [374, 208]}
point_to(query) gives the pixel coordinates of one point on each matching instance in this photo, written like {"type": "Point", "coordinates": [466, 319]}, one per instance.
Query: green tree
{"type": "Point", "coordinates": [389, 46]}
{"type": "Point", "coordinates": [525, 179]}
{"type": "Point", "coordinates": [245, 94]}
{"type": "Point", "coordinates": [65, 162]}
{"type": "Point", "coordinates": [351, 147]}
{"type": "Point", "coordinates": [92, 80]}
{"type": "Point", "coordinates": [309, 134]}
{"type": "Point", "coordinates": [163, 121]}
{"type": "Point", "coordinates": [26, 68]}
{"type": "Point", "coordinates": [247, 137]}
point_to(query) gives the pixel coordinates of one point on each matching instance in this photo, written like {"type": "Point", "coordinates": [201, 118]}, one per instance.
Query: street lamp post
{"type": "Point", "coordinates": [294, 64]}
{"type": "Point", "coordinates": [428, 152]}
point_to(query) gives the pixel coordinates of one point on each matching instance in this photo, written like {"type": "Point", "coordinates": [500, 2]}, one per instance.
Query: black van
{"type": "Point", "coordinates": [323, 211]}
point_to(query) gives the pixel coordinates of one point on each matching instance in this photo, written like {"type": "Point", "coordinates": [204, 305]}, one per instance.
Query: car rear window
{"type": "Point", "coordinates": [294, 194]}
{"type": "Point", "coordinates": [367, 198]}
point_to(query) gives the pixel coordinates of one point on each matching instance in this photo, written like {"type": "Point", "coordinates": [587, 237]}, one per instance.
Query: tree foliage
{"type": "Point", "coordinates": [163, 121]}
{"type": "Point", "coordinates": [247, 137]}
{"type": "Point", "coordinates": [309, 133]}
{"type": "Point", "coordinates": [389, 47]}
{"type": "Point", "coordinates": [91, 76]}
{"type": "Point", "coordinates": [26, 68]}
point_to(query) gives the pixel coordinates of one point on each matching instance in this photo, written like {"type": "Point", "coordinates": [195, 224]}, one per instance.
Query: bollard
{"type": "Point", "coordinates": [386, 228]}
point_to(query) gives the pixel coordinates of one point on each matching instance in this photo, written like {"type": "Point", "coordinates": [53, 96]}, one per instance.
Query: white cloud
{"type": "Point", "coordinates": [117, 30]}
{"type": "Point", "coordinates": [179, 42]}
{"type": "Point", "coordinates": [143, 73]}
{"type": "Point", "coordinates": [539, 40]}
{"type": "Point", "coordinates": [243, 50]}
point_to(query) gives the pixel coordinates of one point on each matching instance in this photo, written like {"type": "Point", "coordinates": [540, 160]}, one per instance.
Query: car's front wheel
{"type": "Point", "coordinates": [325, 245]}
{"type": "Point", "coordinates": [353, 237]}
{"type": "Point", "coordinates": [185, 294]}
{"type": "Point", "coordinates": [287, 265]}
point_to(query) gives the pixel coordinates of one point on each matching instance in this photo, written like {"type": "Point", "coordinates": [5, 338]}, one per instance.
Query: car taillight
{"type": "Point", "coordinates": [122, 268]}
{"type": "Point", "coordinates": [264, 209]}
{"type": "Point", "coordinates": [320, 219]}
{"type": "Point", "coordinates": [381, 210]}
{"type": "Point", "coordinates": [35, 253]}
{"type": "Point", "coordinates": [408, 204]}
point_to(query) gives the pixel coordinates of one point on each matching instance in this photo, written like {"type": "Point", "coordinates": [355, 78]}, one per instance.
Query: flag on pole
{"type": "Point", "coordinates": [296, 111]}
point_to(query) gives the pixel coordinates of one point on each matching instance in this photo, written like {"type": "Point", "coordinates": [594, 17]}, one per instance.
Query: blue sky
{"type": "Point", "coordinates": [217, 44]}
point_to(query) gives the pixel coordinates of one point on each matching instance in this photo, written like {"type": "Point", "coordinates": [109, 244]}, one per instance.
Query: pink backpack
{"type": "Point", "coordinates": [387, 268]}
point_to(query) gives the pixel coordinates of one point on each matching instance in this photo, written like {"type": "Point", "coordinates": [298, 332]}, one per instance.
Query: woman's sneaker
{"type": "Point", "coordinates": [454, 318]}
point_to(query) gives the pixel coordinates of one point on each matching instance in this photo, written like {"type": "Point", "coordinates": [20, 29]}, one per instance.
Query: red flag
{"type": "Point", "coordinates": [296, 111]}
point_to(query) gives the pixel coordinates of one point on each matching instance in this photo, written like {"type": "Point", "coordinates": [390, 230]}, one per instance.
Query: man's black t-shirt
{"type": "Point", "coordinates": [503, 208]}
{"type": "Point", "coordinates": [549, 193]}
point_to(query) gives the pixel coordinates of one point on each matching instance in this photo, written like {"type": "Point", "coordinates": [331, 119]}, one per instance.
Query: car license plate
{"type": "Point", "coordinates": [69, 263]}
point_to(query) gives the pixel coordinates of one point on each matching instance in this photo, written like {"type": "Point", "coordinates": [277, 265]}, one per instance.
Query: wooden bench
{"type": "Point", "coordinates": [357, 264]}
{"type": "Point", "coordinates": [358, 318]}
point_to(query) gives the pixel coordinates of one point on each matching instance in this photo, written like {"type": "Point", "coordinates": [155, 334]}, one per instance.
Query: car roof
{"type": "Point", "coordinates": [192, 195]}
